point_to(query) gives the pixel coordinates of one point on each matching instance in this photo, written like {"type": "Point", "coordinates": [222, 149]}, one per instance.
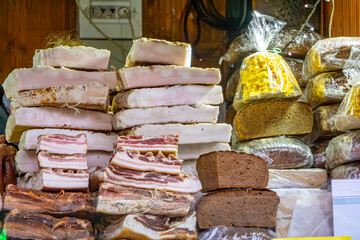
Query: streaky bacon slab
{"type": "Point", "coordinates": [62, 144]}
{"type": "Point", "coordinates": [166, 144]}
{"type": "Point", "coordinates": [132, 159]}
{"type": "Point", "coordinates": [142, 226]}
{"type": "Point", "coordinates": [117, 200]}
{"type": "Point", "coordinates": [67, 203]}
{"type": "Point", "coordinates": [30, 225]}
{"type": "Point", "coordinates": [54, 180]}
{"type": "Point", "coordinates": [75, 161]}
{"type": "Point", "coordinates": [151, 180]}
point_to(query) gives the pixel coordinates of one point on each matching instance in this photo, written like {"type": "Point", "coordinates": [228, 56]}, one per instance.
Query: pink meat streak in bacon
{"type": "Point", "coordinates": [75, 161]}
{"type": "Point", "coordinates": [151, 180]}
{"type": "Point", "coordinates": [166, 144]}
{"type": "Point", "coordinates": [62, 144]}
{"type": "Point", "coordinates": [147, 162]}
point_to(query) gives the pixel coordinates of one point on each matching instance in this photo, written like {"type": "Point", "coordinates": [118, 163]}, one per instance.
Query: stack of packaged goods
{"type": "Point", "coordinates": [343, 153]}
{"type": "Point", "coordinates": [145, 182]}
{"type": "Point", "coordinates": [52, 97]}
{"type": "Point", "coordinates": [163, 95]}
{"type": "Point", "coordinates": [235, 184]}
{"type": "Point", "coordinates": [325, 68]}
{"type": "Point", "coordinates": [62, 166]}
{"type": "Point", "coordinates": [267, 114]}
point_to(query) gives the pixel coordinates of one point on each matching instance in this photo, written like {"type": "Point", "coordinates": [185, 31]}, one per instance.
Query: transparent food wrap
{"type": "Point", "coordinates": [328, 55]}
{"type": "Point", "coordinates": [343, 149]}
{"type": "Point", "coordinates": [297, 178]}
{"type": "Point", "coordinates": [237, 233]}
{"type": "Point", "coordinates": [346, 171]}
{"type": "Point", "coordinates": [231, 85]}
{"type": "Point", "coordinates": [348, 115]}
{"type": "Point", "coordinates": [278, 152]}
{"type": "Point", "coordinates": [304, 213]}
{"type": "Point", "coordinates": [327, 88]}
{"type": "Point", "coordinates": [319, 152]}
{"type": "Point", "coordinates": [264, 74]}
{"type": "Point", "coordinates": [242, 46]}
{"type": "Point", "coordinates": [296, 66]}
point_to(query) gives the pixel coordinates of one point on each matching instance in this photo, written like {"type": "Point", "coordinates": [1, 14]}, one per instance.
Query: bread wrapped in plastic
{"type": "Point", "coordinates": [237, 233]}
{"type": "Point", "coordinates": [297, 178]}
{"type": "Point", "coordinates": [323, 126]}
{"type": "Point", "coordinates": [230, 115]}
{"type": "Point", "coordinates": [327, 88]}
{"type": "Point", "coordinates": [231, 85]}
{"type": "Point", "coordinates": [343, 149]}
{"type": "Point", "coordinates": [279, 152]}
{"type": "Point", "coordinates": [328, 55]}
{"type": "Point", "coordinates": [346, 171]}
{"type": "Point", "coordinates": [242, 46]}
{"type": "Point", "coordinates": [264, 74]}
{"type": "Point", "coordinates": [296, 66]}
{"type": "Point", "coordinates": [319, 152]}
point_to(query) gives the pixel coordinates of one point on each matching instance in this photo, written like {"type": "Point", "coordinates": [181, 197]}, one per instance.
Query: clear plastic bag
{"type": "Point", "coordinates": [279, 152]}
{"type": "Point", "coordinates": [343, 149]}
{"type": "Point", "coordinates": [242, 46]}
{"type": "Point", "coordinates": [347, 171]}
{"type": "Point", "coordinates": [348, 115]}
{"type": "Point", "coordinates": [265, 74]}
{"type": "Point", "coordinates": [319, 152]}
{"type": "Point", "coordinates": [237, 233]}
{"type": "Point", "coordinates": [328, 55]}
{"type": "Point", "coordinates": [231, 85]}
{"type": "Point", "coordinates": [327, 88]}
{"type": "Point", "coordinates": [297, 178]}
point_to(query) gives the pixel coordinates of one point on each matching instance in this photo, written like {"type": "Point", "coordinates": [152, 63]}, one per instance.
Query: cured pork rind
{"type": "Point", "coordinates": [279, 152]}
{"type": "Point", "coordinates": [327, 88]}
{"type": "Point", "coordinates": [328, 55]}
{"type": "Point", "coordinates": [265, 74]}
{"type": "Point", "coordinates": [343, 149]}
{"type": "Point", "coordinates": [347, 171]}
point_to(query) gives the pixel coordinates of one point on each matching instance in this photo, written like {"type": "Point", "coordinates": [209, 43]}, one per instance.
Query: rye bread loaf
{"type": "Point", "coordinates": [227, 169]}
{"type": "Point", "coordinates": [239, 208]}
{"type": "Point", "coordinates": [319, 152]}
{"type": "Point", "coordinates": [278, 152]}
{"type": "Point", "coordinates": [274, 118]}
{"type": "Point", "coordinates": [347, 171]}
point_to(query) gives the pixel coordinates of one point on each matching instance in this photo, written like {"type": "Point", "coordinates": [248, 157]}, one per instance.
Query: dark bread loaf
{"type": "Point", "coordinates": [329, 54]}
{"type": "Point", "coordinates": [319, 152]}
{"type": "Point", "coordinates": [279, 152]}
{"type": "Point", "coordinates": [347, 171]}
{"type": "Point", "coordinates": [227, 169]}
{"type": "Point", "coordinates": [239, 208]}
{"type": "Point", "coordinates": [274, 118]}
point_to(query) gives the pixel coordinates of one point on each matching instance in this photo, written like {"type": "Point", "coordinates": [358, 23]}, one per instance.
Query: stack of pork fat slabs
{"type": "Point", "coordinates": [163, 95]}
{"type": "Point", "coordinates": [145, 186]}
{"type": "Point", "coordinates": [67, 90]}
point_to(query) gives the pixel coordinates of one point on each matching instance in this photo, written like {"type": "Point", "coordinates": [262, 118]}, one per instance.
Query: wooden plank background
{"type": "Point", "coordinates": [346, 20]}
{"type": "Point", "coordinates": [24, 26]}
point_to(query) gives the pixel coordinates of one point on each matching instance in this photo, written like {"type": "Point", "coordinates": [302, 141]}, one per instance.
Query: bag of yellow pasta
{"type": "Point", "coordinates": [348, 115]}
{"type": "Point", "coordinates": [265, 74]}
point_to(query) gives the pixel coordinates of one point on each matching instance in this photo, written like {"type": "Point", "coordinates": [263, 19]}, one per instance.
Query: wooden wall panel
{"type": "Point", "coordinates": [346, 20]}
{"type": "Point", "coordinates": [164, 19]}
{"type": "Point", "coordinates": [25, 24]}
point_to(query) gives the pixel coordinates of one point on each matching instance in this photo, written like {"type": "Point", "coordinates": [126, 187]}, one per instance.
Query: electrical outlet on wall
{"type": "Point", "coordinates": [112, 17]}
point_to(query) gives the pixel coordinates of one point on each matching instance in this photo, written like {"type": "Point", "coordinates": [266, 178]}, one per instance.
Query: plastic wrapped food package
{"type": "Point", "coordinates": [319, 152]}
{"type": "Point", "coordinates": [296, 66]}
{"type": "Point", "coordinates": [304, 213]}
{"type": "Point", "coordinates": [237, 233]}
{"type": "Point", "coordinates": [242, 46]}
{"type": "Point", "coordinates": [297, 178]}
{"type": "Point", "coordinates": [346, 171]}
{"type": "Point", "coordinates": [265, 74]}
{"type": "Point", "coordinates": [323, 126]}
{"type": "Point", "coordinates": [328, 55]}
{"type": "Point", "coordinates": [343, 149]}
{"type": "Point", "coordinates": [231, 85]}
{"type": "Point", "coordinates": [327, 88]}
{"type": "Point", "coordinates": [279, 152]}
